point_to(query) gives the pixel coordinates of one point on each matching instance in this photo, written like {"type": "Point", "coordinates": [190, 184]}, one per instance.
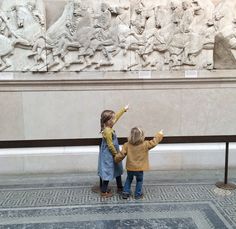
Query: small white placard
{"type": "Point", "coordinates": [145, 74]}
{"type": "Point", "coordinates": [191, 74]}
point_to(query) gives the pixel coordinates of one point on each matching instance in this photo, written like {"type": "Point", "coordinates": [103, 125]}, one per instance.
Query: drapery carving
{"type": "Point", "coordinates": [118, 35]}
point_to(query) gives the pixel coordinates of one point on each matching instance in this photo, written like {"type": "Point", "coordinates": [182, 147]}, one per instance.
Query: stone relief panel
{"type": "Point", "coordinates": [22, 33]}
{"type": "Point", "coordinates": [173, 34]}
{"type": "Point", "coordinates": [121, 35]}
{"type": "Point", "coordinates": [225, 40]}
{"type": "Point", "coordinates": [89, 36]}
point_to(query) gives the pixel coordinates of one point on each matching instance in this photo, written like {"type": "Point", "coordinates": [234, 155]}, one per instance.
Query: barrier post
{"type": "Point", "coordinates": [225, 184]}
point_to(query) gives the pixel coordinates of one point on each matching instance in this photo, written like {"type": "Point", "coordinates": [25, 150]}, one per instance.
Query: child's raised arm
{"type": "Point", "coordinates": [120, 113]}
{"type": "Point", "coordinates": [122, 154]}
{"type": "Point", "coordinates": [158, 138]}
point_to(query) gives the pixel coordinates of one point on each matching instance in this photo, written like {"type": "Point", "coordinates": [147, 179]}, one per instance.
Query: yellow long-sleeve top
{"type": "Point", "coordinates": [108, 132]}
{"type": "Point", "coordinates": [137, 155]}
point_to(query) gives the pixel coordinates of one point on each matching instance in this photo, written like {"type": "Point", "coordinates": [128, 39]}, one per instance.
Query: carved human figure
{"type": "Point", "coordinates": [120, 30]}
{"type": "Point", "coordinates": [94, 39]}
{"type": "Point", "coordinates": [89, 45]}
{"type": "Point", "coordinates": [74, 12]}
{"type": "Point", "coordinates": [186, 17]}
{"type": "Point", "coordinates": [6, 48]}
{"type": "Point", "coordinates": [140, 18]}
{"type": "Point", "coordinates": [23, 23]}
{"type": "Point", "coordinates": [84, 15]}
{"type": "Point", "coordinates": [57, 51]}
{"type": "Point", "coordinates": [165, 29]}
{"type": "Point", "coordinates": [186, 43]}
{"type": "Point", "coordinates": [62, 35]}
{"type": "Point", "coordinates": [39, 52]}
{"type": "Point", "coordinates": [86, 37]}
{"type": "Point", "coordinates": [4, 29]}
{"type": "Point", "coordinates": [6, 43]}
{"type": "Point", "coordinates": [122, 15]}
{"type": "Point", "coordinates": [106, 41]}
{"type": "Point", "coordinates": [175, 13]}
{"type": "Point", "coordinates": [107, 38]}
{"type": "Point", "coordinates": [103, 20]}
{"type": "Point", "coordinates": [155, 39]}
{"type": "Point", "coordinates": [36, 13]}
{"type": "Point", "coordinates": [200, 18]}
{"type": "Point", "coordinates": [22, 13]}
{"type": "Point", "coordinates": [25, 20]}
{"type": "Point", "coordinates": [218, 16]}
{"type": "Point", "coordinates": [137, 35]}
{"type": "Point", "coordinates": [175, 40]}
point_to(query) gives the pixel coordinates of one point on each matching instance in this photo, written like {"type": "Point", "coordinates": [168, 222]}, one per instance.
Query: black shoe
{"type": "Point", "coordinates": [125, 195]}
{"type": "Point", "coordinates": [119, 190]}
{"type": "Point", "coordinates": [138, 197]}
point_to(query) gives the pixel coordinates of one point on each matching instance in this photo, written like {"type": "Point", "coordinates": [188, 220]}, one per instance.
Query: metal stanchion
{"type": "Point", "coordinates": [225, 184]}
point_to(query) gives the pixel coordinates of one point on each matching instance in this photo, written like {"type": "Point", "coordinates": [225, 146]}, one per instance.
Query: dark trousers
{"type": "Point", "coordinates": [104, 184]}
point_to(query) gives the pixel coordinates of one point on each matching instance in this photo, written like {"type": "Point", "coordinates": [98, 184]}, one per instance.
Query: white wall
{"type": "Point", "coordinates": [84, 159]}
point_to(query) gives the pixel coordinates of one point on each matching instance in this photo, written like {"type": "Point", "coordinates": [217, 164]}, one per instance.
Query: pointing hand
{"type": "Point", "coordinates": [127, 107]}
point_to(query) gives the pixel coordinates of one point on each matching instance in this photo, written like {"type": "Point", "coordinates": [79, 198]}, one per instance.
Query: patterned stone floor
{"type": "Point", "coordinates": [172, 200]}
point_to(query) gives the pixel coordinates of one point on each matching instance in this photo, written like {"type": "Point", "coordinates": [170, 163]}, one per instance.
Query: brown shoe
{"type": "Point", "coordinates": [96, 189]}
{"type": "Point", "coordinates": [106, 194]}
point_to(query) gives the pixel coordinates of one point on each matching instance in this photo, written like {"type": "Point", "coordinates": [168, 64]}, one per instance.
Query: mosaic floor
{"type": "Point", "coordinates": [70, 203]}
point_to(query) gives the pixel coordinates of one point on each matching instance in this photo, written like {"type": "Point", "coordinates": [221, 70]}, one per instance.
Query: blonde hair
{"type": "Point", "coordinates": [136, 136]}
{"type": "Point", "coordinates": [106, 115]}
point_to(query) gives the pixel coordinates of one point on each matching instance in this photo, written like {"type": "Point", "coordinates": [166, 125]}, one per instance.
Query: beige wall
{"type": "Point", "coordinates": [38, 109]}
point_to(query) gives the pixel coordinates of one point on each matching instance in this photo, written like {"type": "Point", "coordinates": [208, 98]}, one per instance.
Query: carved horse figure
{"type": "Point", "coordinates": [8, 39]}
{"type": "Point", "coordinates": [26, 25]}
{"type": "Point", "coordinates": [21, 22]}
{"type": "Point", "coordinates": [6, 49]}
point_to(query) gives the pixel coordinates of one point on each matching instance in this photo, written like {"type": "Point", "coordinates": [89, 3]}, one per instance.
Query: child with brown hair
{"type": "Point", "coordinates": [136, 150]}
{"type": "Point", "coordinates": [107, 168]}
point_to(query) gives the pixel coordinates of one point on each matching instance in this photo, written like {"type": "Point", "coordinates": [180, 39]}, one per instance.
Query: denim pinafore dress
{"type": "Point", "coordinates": [107, 168]}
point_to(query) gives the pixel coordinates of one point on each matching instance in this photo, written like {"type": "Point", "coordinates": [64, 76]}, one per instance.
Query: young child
{"type": "Point", "coordinates": [107, 168]}
{"type": "Point", "coordinates": [136, 150]}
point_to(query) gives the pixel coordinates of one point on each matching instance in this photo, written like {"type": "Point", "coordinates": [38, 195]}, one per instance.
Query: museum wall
{"type": "Point", "coordinates": [63, 62]}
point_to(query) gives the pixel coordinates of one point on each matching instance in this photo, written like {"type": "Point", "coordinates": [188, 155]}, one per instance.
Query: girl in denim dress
{"type": "Point", "coordinates": [107, 168]}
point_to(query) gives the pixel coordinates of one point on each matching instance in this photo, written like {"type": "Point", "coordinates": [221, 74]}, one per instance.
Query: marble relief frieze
{"type": "Point", "coordinates": [22, 36]}
{"type": "Point", "coordinates": [117, 36]}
